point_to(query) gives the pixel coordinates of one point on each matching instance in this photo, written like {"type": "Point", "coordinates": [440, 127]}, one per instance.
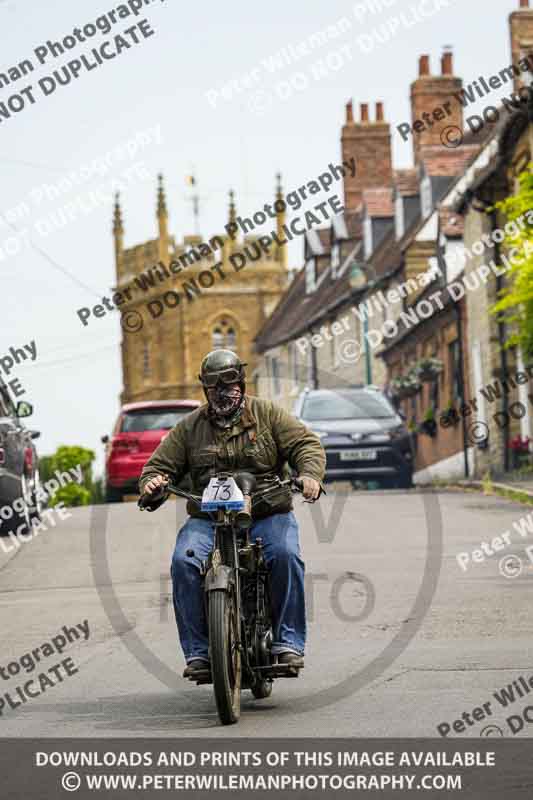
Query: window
{"type": "Point", "coordinates": [310, 367]}
{"type": "Point", "coordinates": [435, 392]}
{"type": "Point", "coordinates": [399, 221]}
{"type": "Point", "coordinates": [224, 335]}
{"type": "Point", "coordinates": [157, 419]}
{"type": "Point", "coordinates": [310, 275]}
{"type": "Point", "coordinates": [6, 406]}
{"type": "Point", "coordinates": [343, 404]}
{"type": "Point", "coordinates": [426, 200]}
{"type": "Point", "coordinates": [454, 371]}
{"type": "Point", "coordinates": [276, 384]}
{"type": "Point", "coordinates": [335, 259]}
{"type": "Point", "coordinates": [293, 362]}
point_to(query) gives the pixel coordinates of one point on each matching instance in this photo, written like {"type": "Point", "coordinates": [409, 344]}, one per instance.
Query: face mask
{"type": "Point", "coordinates": [224, 400]}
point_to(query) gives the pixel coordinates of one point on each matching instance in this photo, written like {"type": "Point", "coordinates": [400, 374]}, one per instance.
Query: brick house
{"type": "Point", "coordinates": [498, 378]}
{"type": "Point", "coordinates": [412, 230]}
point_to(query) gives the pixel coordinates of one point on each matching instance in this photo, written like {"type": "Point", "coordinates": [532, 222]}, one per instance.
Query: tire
{"type": "Point", "coordinates": [225, 659]}
{"type": "Point", "coordinates": [405, 480]}
{"type": "Point", "coordinates": [262, 689]}
{"type": "Point", "coordinates": [23, 518]}
{"type": "Point", "coordinates": [112, 495]}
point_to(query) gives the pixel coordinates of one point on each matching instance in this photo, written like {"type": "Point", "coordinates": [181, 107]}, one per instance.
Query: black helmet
{"type": "Point", "coordinates": [222, 365]}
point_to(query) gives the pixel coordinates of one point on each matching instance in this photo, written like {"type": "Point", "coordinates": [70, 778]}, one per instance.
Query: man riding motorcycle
{"type": "Point", "coordinates": [236, 431]}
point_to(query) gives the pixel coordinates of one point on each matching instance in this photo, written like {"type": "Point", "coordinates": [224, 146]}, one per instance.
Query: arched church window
{"type": "Point", "coordinates": [224, 335]}
{"type": "Point", "coordinates": [218, 338]}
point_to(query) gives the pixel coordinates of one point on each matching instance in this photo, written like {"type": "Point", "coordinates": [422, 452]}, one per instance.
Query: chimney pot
{"type": "Point", "coordinates": [349, 111]}
{"type": "Point", "coordinates": [446, 63]}
{"type": "Point", "coordinates": [423, 66]}
{"type": "Point", "coordinates": [524, 3]}
{"type": "Point", "coordinates": [364, 112]}
{"type": "Point", "coordinates": [379, 112]}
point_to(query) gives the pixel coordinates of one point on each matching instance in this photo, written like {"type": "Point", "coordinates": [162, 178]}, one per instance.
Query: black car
{"type": "Point", "coordinates": [364, 437]}
{"type": "Point", "coordinates": [19, 470]}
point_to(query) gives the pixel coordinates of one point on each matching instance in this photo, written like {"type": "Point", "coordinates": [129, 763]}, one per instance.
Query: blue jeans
{"type": "Point", "coordinates": [282, 554]}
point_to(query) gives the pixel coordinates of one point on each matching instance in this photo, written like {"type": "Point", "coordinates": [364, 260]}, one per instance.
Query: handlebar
{"type": "Point", "coordinates": [145, 501]}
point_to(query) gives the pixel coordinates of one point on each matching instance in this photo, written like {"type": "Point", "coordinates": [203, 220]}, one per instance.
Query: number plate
{"type": "Point", "coordinates": [222, 493]}
{"type": "Point", "coordinates": [358, 455]}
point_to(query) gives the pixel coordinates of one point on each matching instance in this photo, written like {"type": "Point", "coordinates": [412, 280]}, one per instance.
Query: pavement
{"type": "Point", "coordinates": [513, 481]}
{"type": "Point", "coordinates": [401, 639]}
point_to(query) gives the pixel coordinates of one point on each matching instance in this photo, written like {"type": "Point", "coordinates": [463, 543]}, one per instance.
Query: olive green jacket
{"type": "Point", "coordinates": [264, 441]}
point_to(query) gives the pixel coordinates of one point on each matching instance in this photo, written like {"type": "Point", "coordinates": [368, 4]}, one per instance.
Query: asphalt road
{"type": "Point", "coordinates": [400, 639]}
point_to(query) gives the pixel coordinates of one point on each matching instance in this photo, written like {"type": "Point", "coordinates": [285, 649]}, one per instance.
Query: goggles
{"type": "Point", "coordinates": [226, 376]}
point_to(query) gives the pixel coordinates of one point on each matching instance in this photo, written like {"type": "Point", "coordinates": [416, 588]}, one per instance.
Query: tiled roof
{"type": "Point", "coordinates": [297, 310]}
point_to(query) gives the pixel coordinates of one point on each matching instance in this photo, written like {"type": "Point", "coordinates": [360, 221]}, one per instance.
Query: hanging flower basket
{"type": "Point", "coordinates": [429, 369]}
{"type": "Point", "coordinates": [429, 424]}
{"type": "Point", "coordinates": [405, 386]}
{"type": "Point", "coordinates": [449, 417]}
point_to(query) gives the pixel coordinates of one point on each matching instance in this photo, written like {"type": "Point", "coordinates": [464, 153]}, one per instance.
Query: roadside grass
{"type": "Point", "coordinates": [488, 487]}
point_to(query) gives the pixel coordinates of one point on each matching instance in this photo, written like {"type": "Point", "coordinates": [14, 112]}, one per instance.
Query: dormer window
{"type": "Point", "coordinates": [426, 200]}
{"type": "Point", "coordinates": [335, 259]}
{"type": "Point", "coordinates": [399, 220]}
{"type": "Point", "coordinates": [310, 275]}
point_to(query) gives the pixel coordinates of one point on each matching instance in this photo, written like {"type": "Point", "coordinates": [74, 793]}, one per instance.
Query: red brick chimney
{"type": "Point", "coordinates": [430, 92]}
{"type": "Point", "coordinates": [369, 143]}
{"type": "Point", "coordinates": [521, 30]}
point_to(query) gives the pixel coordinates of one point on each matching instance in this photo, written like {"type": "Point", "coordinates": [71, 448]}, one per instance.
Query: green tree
{"type": "Point", "coordinates": [71, 495]}
{"type": "Point", "coordinates": [45, 468]}
{"type": "Point", "coordinates": [515, 304]}
{"type": "Point", "coordinates": [69, 456]}
{"type": "Point", "coordinates": [64, 459]}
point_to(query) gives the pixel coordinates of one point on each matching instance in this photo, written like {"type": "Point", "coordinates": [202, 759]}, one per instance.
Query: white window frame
{"type": "Point", "coordinates": [426, 199]}
{"type": "Point", "coordinates": [399, 217]}
{"type": "Point", "coordinates": [310, 365]}
{"type": "Point", "coordinates": [276, 382]}
{"type": "Point", "coordinates": [293, 362]}
{"type": "Point", "coordinates": [335, 258]}
{"type": "Point", "coordinates": [367, 236]}
{"type": "Point", "coordinates": [310, 275]}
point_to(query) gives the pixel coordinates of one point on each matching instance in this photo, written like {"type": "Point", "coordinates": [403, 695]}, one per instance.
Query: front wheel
{"type": "Point", "coordinates": [225, 655]}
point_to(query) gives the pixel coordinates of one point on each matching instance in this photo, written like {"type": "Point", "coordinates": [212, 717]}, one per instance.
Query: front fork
{"type": "Point", "coordinates": [220, 576]}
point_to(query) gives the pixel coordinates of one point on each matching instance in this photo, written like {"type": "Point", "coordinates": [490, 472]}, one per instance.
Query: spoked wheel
{"type": "Point", "coordinates": [225, 656]}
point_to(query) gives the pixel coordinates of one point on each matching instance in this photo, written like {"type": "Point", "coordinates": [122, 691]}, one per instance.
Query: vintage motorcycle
{"type": "Point", "coordinates": [237, 592]}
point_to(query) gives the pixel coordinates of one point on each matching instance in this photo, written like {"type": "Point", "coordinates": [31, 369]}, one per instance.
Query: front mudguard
{"type": "Point", "coordinates": [221, 577]}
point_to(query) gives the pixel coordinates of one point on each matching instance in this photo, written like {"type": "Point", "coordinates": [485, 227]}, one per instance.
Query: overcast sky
{"type": "Point", "coordinates": [169, 89]}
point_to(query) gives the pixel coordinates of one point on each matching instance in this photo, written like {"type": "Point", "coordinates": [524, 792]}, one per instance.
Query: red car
{"type": "Point", "coordinates": [139, 429]}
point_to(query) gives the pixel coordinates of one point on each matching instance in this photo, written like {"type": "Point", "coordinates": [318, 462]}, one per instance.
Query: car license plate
{"type": "Point", "coordinates": [358, 455]}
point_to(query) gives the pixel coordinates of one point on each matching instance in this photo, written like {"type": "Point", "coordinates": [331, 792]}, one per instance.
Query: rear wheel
{"type": "Point", "coordinates": [225, 656]}
{"type": "Point", "coordinates": [262, 689]}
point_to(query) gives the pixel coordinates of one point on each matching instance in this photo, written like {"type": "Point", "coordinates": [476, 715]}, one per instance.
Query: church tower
{"type": "Point", "coordinates": [184, 299]}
